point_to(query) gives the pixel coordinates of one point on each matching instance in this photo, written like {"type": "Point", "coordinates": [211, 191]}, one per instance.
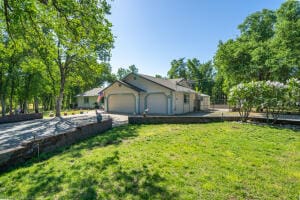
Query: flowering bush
{"type": "Point", "coordinates": [243, 97]}
{"type": "Point", "coordinates": [293, 89]}
{"type": "Point", "coordinates": [273, 97]}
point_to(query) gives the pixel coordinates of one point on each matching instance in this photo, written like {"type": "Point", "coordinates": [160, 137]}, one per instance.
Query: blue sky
{"type": "Point", "coordinates": [151, 33]}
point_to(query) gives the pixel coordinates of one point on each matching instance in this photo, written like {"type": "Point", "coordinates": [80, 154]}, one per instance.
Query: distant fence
{"type": "Point", "coordinates": [220, 106]}
{"type": "Point", "coordinates": [199, 119]}
{"type": "Point", "coordinates": [32, 148]}
{"type": "Point", "coordinates": [20, 117]}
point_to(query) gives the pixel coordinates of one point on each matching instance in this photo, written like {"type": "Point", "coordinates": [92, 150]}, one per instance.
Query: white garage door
{"type": "Point", "coordinates": [121, 103]}
{"type": "Point", "coordinates": [157, 104]}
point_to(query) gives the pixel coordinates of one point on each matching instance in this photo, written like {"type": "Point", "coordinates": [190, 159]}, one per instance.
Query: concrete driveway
{"type": "Point", "coordinates": [13, 134]}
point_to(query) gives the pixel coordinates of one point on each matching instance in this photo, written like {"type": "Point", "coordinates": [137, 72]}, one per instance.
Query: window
{"type": "Point", "coordinates": [186, 98]}
{"type": "Point", "coordinates": [86, 100]}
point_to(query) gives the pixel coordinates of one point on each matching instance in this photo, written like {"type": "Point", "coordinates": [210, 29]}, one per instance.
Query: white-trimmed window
{"type": "Point", "coordinates": [86, 100]}
{"type": "Point", "coordinates": [186, 98]}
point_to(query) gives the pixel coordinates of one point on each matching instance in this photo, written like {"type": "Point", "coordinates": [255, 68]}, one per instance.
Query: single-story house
{"type": "Point", "coordinates": [137, 92]}
{"type": "Point", "coordinates": [88, 98]}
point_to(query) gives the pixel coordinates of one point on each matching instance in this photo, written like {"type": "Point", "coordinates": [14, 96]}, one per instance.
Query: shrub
{"type": "Point", "coordinates": [293, 91]}
{"type": "Point", "coordinates": [244, 98]}
{"type": "Point", "coordinates": [273, 97]}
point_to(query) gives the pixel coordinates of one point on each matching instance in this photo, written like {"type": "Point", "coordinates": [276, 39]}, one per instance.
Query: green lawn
{"type": "Point", "coordinates": [199, 161]}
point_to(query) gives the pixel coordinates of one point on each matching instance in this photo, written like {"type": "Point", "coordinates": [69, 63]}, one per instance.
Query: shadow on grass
{"type": "Point", "coordinates": [110, 137]}
{"type": "Point", "coordinates": [106, 179]}
{"type": "Point", "coordinates": [295, 128]}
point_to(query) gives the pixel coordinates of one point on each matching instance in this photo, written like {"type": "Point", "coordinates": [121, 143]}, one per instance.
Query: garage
{"type": "Point", "coordinates": [157, 104]}
{"type": "Point", "coordinates": [121, 103]}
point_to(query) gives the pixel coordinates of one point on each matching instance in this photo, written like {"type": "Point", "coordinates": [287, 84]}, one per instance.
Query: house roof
{"type": "Point", "coordinates": [127, 85]}
{"type": "Point", "coordinates": [171, 84]}
{"type": "Point", "coordinates": [168, 83]}
{"type": "Point", "coordinates": [176, 80]}
{"type": "Point", "coordinates": [91, 93]}
{"type": "Point", "coordinates": [131, 86]}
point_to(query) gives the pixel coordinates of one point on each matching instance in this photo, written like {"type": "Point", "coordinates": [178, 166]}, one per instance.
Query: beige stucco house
{"type": "Point", "coordinates": [88, 98]}
{"type": "Point", "coordinates": [137, 92]}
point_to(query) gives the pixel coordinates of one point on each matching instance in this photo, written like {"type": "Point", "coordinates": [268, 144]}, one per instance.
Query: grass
{"type": "Point", "coordinates": [198, 161]}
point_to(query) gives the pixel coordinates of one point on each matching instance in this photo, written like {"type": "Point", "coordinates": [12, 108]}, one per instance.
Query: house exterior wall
{"type": "Point", "coordinates": [146, 84]}
{"type": "Point", "coordinates": [192, 101]}
{"type": "Point", "coordinates": [179, 107]}
{"type": "Point", "coordinates": [120, 89]}
{"type": "Point", "coordinates": [173, 102]}
{"type": "Point", "coordinates": [90, 104]}
{"type": "Point", "coordinates": [142, 101]}
{"type": "Point", "coordinates": [205, 103]}
{"type": "Point", "coordinates": [152, 89]}
{"type": "Point", "coordinates": [178, 103]}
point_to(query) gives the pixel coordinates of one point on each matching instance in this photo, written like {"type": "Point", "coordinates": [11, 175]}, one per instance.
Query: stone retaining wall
{"type": "Point", "coordinates": [200, 119]}
{"type": "Point", "coordinates": [32, 148]}
{"type": "Point", "coordinates": [20, 117]}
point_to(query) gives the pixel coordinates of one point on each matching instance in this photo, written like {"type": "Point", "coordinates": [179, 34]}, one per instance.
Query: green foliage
{"type": "Point", "coordinates": [178, 69]}
{"type": "Point", "coordinates": [53, 48]}
{"type": "Point", "coordinates": [267, 48]}
{"type": "Point", "coordinates": [274, 97]}
{"type": "Point", "coordinates": [122, 72]}
{"type": "Point", "coordinates": [200, 74]}
{"type": "Point", "coordinates": [244, 97]}
{"type": "Point", "coordinates": [293, 89]}
{"type": "Point", "coordinates": [222, 160]}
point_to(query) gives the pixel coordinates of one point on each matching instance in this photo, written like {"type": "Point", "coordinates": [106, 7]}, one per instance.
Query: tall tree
{"type": "Point", "coordinates": [76, 32]}
{"type": "Point", "coordinates": [122, 72]}
{"type": "Point", "coordinates": [201, 75]}
{"type": "Point", "coordinates": [286, 42]}
{"type": "Point", "coordinates": [133, 69]}
{"type": "Point", "coordinates": [178, 69]}
{"type": "Point", "coordinates": [267, 48]}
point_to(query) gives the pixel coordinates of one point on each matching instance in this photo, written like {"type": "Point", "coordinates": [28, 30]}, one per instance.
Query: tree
{"type": "Point", "coordinates": [178, 69]}
{"type": "Point", "coordinates": [76, 33]}
{"type": "Point", "coordinates": [122, 72]}
{"type": "Point", "coordinates": [201, 75]}
{"type": "Point", "coordinates": [133, 69]}
{"type": "Point", "coordinates": [293, 89]}
{"type": "Point", "coordinates": [286, 42]}
{"type": "Point", "coordinates": [267, 48]}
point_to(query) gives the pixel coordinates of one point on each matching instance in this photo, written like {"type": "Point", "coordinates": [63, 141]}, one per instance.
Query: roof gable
{"type": "Point", "coordinates": [172, 84]}
{"type": "Point", "coordinates": [126, 85]}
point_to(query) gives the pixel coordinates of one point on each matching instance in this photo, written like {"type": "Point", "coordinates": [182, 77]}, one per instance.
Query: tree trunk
{"type": "Point", "coordinates": [11, 98]}
{"type": "Point", "coordinates": [36, 105]}
{"type": "Point", "coordinates": [3, 105]}
{"type": "Point", "coordinates": [51, 100]}
{"type": "Point", "coordinates": [59, 103]}
{"type": "Point", "coordinates": [61, 95]}
{"type": "Point", "coordinates": [25, 107]}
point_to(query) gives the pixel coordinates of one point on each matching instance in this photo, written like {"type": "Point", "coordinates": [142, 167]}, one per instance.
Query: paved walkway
{"type": "Point", "coordinates": [13, 134]}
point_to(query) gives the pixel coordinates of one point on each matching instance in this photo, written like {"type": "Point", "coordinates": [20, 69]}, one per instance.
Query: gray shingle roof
{"type": "Point", "coordinates": [91, 93]}
{"type": "Point", "coordinates": [132, 86]}
{"type": "Point", "coordinates": [168, 83]}
{"type": "Point", "coordinates": [127, 85]}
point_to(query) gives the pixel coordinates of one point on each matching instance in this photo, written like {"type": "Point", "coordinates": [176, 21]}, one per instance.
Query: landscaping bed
{"type": "Point", "coordinates": [227, 160]}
